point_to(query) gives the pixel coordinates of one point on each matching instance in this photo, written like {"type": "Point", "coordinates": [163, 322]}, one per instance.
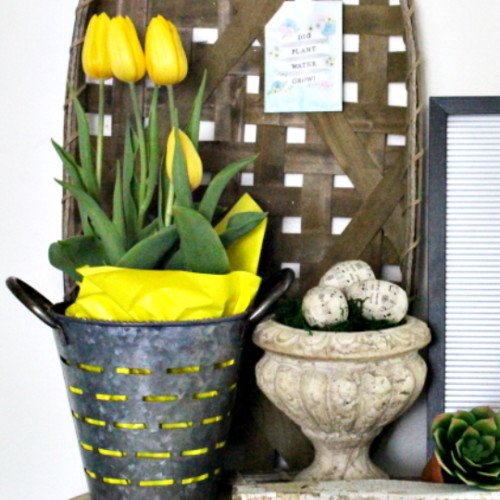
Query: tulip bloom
{"type": "Point", "coordinates": [125, 51]}
{"type": "Point", "coordinates": [193, 160]}
{"type": "Point", "coordinates": [166, 60]}
{"type": "Point", "coordinates": [95, 56]}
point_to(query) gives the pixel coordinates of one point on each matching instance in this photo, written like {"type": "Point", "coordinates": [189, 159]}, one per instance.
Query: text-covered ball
{"type": "Point", "coordinates": [324, 305]}
{"type": "Point", "coordinates": [344, 274]}
{"type": "Point", "coordinates": [381, 299]}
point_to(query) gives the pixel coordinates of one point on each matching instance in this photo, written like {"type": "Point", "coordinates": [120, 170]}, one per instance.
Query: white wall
{"type": "Point", "coordinates": [39, 454]}
{"type": "Point", "coordinates": [459, 40]}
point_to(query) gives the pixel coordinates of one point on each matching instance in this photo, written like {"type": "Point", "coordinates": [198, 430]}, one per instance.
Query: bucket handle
{"type": "Point", "coordinates": [39, 305]}
{"type": "Point", "coordinates": [277, 284]}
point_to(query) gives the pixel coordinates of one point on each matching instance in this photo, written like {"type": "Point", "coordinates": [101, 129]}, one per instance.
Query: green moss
{"type": "Point", "coordinates": [288, 312]}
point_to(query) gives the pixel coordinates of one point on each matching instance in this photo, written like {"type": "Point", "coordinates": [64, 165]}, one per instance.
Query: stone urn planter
{"type": "Point", "coordinates": [342, 388]}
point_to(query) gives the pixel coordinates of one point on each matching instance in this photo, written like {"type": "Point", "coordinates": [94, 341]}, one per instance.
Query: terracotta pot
{"type": "Point", "coordinates": [342, 388]}
{"type": "Point", "coordinates": [433, 473]}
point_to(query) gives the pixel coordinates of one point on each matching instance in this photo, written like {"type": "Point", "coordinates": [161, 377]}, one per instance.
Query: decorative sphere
{"type": "Point", "coordinates": [381, 299]}
{"type": "Point", "coordinates": [324, 305]}
{"type": "Point", "coordinates": [344, 274]}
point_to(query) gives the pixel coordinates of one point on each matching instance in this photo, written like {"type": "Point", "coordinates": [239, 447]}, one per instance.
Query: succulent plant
{"type": "Point", "coordinates": [468, 446]}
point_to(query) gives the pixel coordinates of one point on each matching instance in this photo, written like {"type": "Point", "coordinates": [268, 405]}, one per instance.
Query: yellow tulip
{"type": "Point", "coordinates": [95, 56]}
{"type": "Point", "coordinates": [166, 60]}
{"type": "Point", "coordinates": [125, 51]}
{"type": "Point", "coordinates": [193, 160]}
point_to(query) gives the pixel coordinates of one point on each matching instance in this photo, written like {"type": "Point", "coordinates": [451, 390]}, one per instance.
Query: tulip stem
{"type": "Point", "coordinates": [174, 123]}
{"type": "Point", "coordinates": [171, 106]}
{"type": "Point", "coordinates": [142, 149]}
{"type": "Point", "coordinates": [100, 135]}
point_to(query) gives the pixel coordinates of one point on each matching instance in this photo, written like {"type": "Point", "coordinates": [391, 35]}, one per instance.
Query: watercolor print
{"type": "Point", "coordinates": [303, 58]}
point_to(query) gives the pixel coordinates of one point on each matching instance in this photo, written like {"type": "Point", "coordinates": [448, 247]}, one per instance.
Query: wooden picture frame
{"type": "Point", "coordinates": [440, 111]}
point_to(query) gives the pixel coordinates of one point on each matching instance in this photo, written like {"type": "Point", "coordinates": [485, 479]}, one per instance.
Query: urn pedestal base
{"type": "Point", "coordinates": [342, 388]}
{"type": "Point", "coordinates": [340, 459]}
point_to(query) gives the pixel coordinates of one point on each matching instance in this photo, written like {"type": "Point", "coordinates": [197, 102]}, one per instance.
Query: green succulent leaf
{"type": "Point", "coordinates": [440, 436]}
{"type": "Point", "coordinates": [456, 460]}
{"type": "Point", "coordinates": [487, 426]}
{"type": "Point", "coordinates": [193, 126]}
{"type": "Point", "coordinates": [475, 451]}
{"type": "Point", "coordinates": [466, 480]}
{"type": "Point", "coordinates": [444, 460]}
{"type": "Point", "coordinates": [111, 240]}
{"type": "Point", "coordinates": [208, 204]}
{"type": "Point", "coordinates": [201, 247]}
{"type": "Point", "coordinates": [73, 253]}
{"type": "Point", "coordinates": [455, 430]}
{"type": "Point", "coordinates": [467, 446]}
{"type": "Point", "coordinates": [441, 421]}
{"type": "Point", "coordinates": [482, 412]}
{"type": "Point", "coordinates": [492, 471]}
{"type": "Point", "coordinates": [149, 252]}
{"type": "Point", "coordinates": [239, 225]}
{"type": "Point", "coordinates": [466, 415]}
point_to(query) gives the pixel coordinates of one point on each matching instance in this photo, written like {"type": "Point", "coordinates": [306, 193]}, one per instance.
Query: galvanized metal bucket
{"type": "Point", "coordinates": [151, 401]}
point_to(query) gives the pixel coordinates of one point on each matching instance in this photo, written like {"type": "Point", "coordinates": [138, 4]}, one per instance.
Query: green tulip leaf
{"type": "Point", "coordinates": [201, 247]}
{"type": "Point", "coordinates": [74, 171]}
{"type": "Point", "coordinates": [153, 149]}
{"type": "Point", "coordinates": [111, 240]}
{"type": "Point", "coordinates": [129, 199]}
{"type": "Point", "coordinates": [215, 189]}
{"type": "Point", "coordinates": [150, 229]}
{"type": "Point", "coordinates": [193, 126]}
{"type": "Point", "coordinates": [176, 262]}
{"type": "Point", "coordinates": [118, 210]}
{"type": "Point", "coordinates": [180, 178]}
{"type": "Point", "coordinates": [239, 225]}
{"type": "Point", "coordinates": [70, 165]}
{"type": "Point", "coordinates": [85, 148]}
{"type": "Point", "coordinates": [149, 252]}
{"type": "Point", "coordinates": [75, 252]}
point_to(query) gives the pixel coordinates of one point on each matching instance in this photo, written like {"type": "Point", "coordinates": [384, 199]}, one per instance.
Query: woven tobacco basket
{"type": "Point", "coordinates": [358, 143]}
{"type": "Point", "coordinates": [383, 204]}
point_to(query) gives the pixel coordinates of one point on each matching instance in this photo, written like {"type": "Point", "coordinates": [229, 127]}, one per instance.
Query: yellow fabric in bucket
{"type": "Point", "coordinates": [118, 294]}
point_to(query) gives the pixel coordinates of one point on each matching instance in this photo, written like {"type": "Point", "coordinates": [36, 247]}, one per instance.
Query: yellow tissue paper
{"type": "Point", "coordinates": [244, 253]}
{"type": "Point", "coordinates": [118, 294]}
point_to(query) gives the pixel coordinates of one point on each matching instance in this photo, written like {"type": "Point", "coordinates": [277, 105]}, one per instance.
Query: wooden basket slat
{"type": "Point", "coordinates": [357, 137]}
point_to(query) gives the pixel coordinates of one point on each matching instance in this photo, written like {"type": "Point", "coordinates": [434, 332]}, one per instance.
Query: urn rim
{"type": "Point", "coordinates": [275, 337]}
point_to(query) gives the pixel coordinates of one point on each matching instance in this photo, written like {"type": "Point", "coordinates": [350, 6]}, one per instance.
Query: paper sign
{"type": "Point", "coordinates": [303, 61]}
